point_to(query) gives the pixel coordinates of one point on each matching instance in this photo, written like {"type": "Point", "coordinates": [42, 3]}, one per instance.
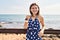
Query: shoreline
{"type": "Point", "coordinates": [19, 25]}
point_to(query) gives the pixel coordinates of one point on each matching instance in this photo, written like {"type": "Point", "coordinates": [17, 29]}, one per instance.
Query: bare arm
{"type": "Point", "coordinates": [41, 20]}
{"type": "Point", "coordinates": [42, 23]}
{"type": "Point", "coordinates": [41, 33]}
{"type": "Point", "coordinates": [26, 22]}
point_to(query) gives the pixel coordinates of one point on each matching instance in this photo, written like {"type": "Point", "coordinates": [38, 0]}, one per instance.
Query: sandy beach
{"type": "Point", "coordinates": [23, 37]}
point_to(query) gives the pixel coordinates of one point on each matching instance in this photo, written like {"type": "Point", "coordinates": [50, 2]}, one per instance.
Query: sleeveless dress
{"type": "Point", "coordinates": [33, 29]}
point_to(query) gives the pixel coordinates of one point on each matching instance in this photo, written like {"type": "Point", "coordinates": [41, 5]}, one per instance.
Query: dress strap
{"type": "Point", "coordinates": [35, 18]}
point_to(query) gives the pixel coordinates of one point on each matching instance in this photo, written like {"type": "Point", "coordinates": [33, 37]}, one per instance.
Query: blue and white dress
{"type": "Point", "coordinates": [33, 29]}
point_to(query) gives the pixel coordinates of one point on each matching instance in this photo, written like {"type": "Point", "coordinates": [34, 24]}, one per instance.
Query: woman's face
{"type": "Point", "coordinates": [34, 9]}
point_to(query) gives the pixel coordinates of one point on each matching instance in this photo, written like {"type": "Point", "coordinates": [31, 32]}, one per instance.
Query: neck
{"type": "Point", "coordinates": [34, 16]}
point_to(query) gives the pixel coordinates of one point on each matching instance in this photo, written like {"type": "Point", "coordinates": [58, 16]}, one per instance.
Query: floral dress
{"type": "Point", "coordinates": [33, 29]}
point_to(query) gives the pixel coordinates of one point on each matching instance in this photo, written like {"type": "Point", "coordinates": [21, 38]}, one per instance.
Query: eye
{"type": "Point", "coordinates": [35, 7]}
{"type": "Point", "coordinates": [32, 8]}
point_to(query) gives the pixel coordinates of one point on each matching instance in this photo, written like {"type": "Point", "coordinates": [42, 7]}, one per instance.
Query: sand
{"type": "Point", "coordinates": [13, 36]}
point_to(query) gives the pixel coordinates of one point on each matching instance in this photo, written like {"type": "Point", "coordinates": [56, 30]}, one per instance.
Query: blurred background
{"type": "Point", "coordinates": [13, 13]}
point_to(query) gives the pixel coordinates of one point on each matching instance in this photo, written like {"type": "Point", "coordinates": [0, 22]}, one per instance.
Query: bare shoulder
{"type": "Point", "coordinates": [40, 18]}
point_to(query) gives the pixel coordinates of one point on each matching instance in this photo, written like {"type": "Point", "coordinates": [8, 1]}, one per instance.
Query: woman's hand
{"type": "Point", "coordinates": [41, 33]}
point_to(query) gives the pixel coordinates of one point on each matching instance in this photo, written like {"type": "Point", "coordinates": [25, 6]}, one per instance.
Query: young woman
{"type": "Point", "coordinates": [32, 23]}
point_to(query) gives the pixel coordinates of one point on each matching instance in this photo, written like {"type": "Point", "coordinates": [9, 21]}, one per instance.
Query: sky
{"type": "Point", "coordinates": [47, 7]}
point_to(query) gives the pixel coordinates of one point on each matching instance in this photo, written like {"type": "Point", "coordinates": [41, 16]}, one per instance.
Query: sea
{"type": "Point", "coordinates": [17, 21]}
